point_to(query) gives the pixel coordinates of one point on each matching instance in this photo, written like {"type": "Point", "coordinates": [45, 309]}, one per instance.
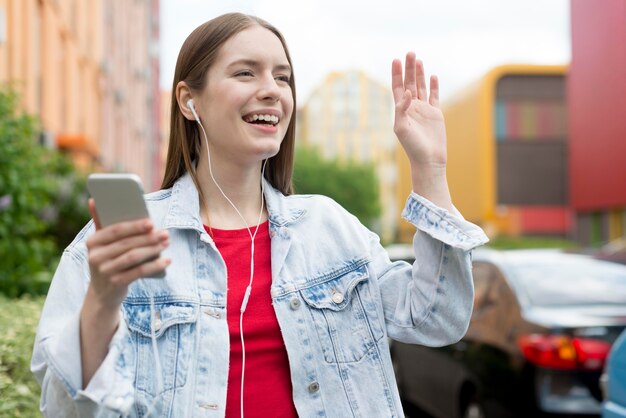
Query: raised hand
{"type": "Point", "coordinates": [420, 128]}
{"type": "Point", "coordinates": [419, 123]}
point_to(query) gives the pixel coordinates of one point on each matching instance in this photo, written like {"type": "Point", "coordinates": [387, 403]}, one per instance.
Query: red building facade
{"type": "Point", "coordinates": [596, 100]}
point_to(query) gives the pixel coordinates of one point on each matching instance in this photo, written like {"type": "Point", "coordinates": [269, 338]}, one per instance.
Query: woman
{"type": "Point", "coordinates": [287, 299]}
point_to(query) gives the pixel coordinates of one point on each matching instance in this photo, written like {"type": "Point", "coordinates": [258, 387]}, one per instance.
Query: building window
{"type": "Point", "coordinates": [3, 27]}
{"type": "Point", "coordinates": [531, 140]}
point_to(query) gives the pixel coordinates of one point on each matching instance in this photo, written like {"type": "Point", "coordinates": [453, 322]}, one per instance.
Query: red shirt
{"type": "Point", "coordinates": [267, 384]}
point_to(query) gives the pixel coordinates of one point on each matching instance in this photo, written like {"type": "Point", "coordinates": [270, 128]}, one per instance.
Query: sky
{"type": "Point", "coordinates": [459, 40]}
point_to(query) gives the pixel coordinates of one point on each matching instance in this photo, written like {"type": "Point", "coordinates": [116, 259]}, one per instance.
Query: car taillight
{"type": "Point", "coordinates": [564, 352]}
{"type": "Point", "coordinates": [591, 353]}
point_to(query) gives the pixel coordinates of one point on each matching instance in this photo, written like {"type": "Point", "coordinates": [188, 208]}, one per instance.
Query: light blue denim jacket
{"type": "Point", "coordinates": [335, 292]}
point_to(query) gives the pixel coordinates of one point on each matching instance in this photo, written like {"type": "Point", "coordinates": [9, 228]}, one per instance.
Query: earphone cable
{"type": "Point", "coordinates": [252, 237]}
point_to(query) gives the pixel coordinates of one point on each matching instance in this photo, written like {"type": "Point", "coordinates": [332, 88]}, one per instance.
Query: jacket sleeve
{"type": "Point", "coordinates": [56, 360]}
{"type": "Point", "coordinates": [429, 303]}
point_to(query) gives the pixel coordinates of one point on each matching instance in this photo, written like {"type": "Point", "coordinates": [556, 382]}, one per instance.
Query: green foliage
{"type": "Point", "coordinates": [19, 391]}
{"type": "Point", "coordinates": [40, 203]}
{"type": "Point", "coordinates": [352, 185]}
{"type": "Point", "coordinates": [505, 242]}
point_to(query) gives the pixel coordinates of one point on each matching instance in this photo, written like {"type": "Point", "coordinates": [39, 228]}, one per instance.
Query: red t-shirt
{"type": "Point", "coordinates": [267, 384]}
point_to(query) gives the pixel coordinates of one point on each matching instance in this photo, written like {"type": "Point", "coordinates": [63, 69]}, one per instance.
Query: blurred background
{"type": "Point", "coordinates": [533, 93]}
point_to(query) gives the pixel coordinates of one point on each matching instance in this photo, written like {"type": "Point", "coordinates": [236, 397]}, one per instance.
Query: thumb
{"type": "Point", "coordinates": [94, 213]}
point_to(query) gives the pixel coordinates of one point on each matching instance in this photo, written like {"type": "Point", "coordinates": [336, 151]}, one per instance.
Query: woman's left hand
{"type": "Point", "coordinates": [420, 128]}
{"type": "Point", "coordinates": [419, 123]}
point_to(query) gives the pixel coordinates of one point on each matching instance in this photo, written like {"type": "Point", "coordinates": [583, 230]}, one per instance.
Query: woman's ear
{"type": "Point", "coordinates": [183, 96]}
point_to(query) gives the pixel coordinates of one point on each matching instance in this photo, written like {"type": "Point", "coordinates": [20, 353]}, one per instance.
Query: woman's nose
{"type": "Point", "coordinates": [269, 89]}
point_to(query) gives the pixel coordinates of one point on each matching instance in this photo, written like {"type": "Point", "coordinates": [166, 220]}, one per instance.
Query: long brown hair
{"type": "Point", "coordinates": [198, 53]}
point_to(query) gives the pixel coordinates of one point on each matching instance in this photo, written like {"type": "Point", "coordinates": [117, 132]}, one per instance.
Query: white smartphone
{"type": "Point", "coordinates": [118, 198]}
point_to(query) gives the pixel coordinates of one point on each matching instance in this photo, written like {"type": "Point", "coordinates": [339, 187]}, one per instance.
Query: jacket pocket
{"type": "Point", "coordinates": [174, 323]}
{"type": "Point", "coordinates": [345, 316]}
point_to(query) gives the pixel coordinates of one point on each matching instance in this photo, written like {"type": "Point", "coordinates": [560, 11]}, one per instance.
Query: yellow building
{"type": "Point", "coordinates": [507, 149]}
{"type": "Point", "coordinates": [350, 117]}
{"type": "Point", "coordinates": [89, 71]}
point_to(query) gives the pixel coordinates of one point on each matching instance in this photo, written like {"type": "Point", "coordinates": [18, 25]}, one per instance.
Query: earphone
{"type": "Point", "coordinates": [192, 107]}
{"type": "Point", "coordinates": [246, 296]}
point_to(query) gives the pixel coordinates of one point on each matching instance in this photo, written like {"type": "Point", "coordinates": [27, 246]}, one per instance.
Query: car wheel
{"type": "Point", "coordinates": [474, 409]}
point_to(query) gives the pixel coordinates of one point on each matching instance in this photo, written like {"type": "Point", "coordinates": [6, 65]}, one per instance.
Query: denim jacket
{"type": "Point", "coordinates": [336, 295]}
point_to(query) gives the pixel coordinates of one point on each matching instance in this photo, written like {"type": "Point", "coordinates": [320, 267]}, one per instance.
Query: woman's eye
{"type": "Point", "coordinates": [244, 73]}
{"type": "Point", "coordinates": [284, 78]}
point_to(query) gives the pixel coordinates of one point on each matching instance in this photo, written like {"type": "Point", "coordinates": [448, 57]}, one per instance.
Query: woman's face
{"type": "Point", "coordinates": [247, 103]}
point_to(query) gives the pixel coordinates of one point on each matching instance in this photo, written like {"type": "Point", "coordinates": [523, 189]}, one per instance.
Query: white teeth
{"type": "Point", "coordinates": [268, 118]}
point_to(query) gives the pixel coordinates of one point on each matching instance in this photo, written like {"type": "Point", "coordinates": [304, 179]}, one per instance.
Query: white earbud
{"type": "Point", "coordinates": [191, 107]}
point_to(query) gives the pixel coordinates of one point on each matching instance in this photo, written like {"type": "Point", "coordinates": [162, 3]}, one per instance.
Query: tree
{"type": "Point", "coordinates": [40, 199]}
{"type": "Point", "coordinates": [352, 185]}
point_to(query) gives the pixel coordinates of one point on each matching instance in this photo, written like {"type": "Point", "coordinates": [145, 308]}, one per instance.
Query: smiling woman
{"type": "Point", "coordinates": [273, 304]}
{"type": "Point", "coordinates": [252, 86]}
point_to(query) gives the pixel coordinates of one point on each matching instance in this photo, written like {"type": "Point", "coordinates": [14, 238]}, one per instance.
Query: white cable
{"type": "Point", "coordinates": [157, 360]}
{"type": "Point", "coordinates": [155, 349]}
{"type": "Point", "coordinates": [246, 296]}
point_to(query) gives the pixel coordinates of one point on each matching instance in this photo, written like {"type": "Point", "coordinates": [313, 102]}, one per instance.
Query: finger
{"type": "Point", "coordinates": [422, 94]}
{"type": "Point", "coordinates": [131, 259]}
{"type": "Point", "coordinates": [94, 214]}
{"type": "Point", "coordinates": [397, 85]}
{"type": "Point", "coordinates": [118, 231]}
{"type": "Point", "coordinates": [102, 253]}
{"type": "Point", "coordinates": [407, 99]}
{"type": "Point", "coordinates": [409, 74]}
{"type": "Point", "coordinates": [434, 91]}
{"type": "Point", "coordinates": [146, 269]}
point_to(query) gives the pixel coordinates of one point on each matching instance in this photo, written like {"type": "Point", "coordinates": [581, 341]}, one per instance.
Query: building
{"type": "Point", "coordinates": [130, 92]}
{"type": "Point", "coordinates": [89, 71]}
{"type": "Point", "coordinates": [50, 52]}
{"type": "Point", "coordinates": [542, 149]}
{"type": "Point", "coordinates": [350, 117]}
{"type": "Point", "coordinates": [507, 151]}
{"type": "Point", "coordinates": [597, 123]}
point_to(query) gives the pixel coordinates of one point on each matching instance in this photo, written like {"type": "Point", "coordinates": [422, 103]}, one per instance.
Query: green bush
{"type": "Point", "coordinates": [19, 391]}
{"type": "Point", "coordinates": [354, 186]}
{"type": "Point", "coordinates": [505, 242]}
{"type": "Point", "coordinates": [42, 203]}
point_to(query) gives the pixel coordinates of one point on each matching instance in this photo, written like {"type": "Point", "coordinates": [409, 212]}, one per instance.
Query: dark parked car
{"type": "Point", "coordinates": [542, 326]}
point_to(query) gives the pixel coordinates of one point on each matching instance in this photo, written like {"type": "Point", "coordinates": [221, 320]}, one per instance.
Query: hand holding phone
{"type": "Point", "coordinates": [119, 198]}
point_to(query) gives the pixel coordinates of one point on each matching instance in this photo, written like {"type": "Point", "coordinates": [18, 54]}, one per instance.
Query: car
{"type": "Point", "coordinates": [615, 403]}
{"type": "Point", "coordinates": [539, 335]}
{"type": "Point", "coordinates": [613, 251]}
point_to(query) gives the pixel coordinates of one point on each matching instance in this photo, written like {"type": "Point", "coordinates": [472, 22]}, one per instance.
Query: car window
{"type": "Point", "coordinates": [570, 280]}
{"type": "Point", "coordinates": [483, 278]}
{"type": "Point", "coordinates": [495, 306]}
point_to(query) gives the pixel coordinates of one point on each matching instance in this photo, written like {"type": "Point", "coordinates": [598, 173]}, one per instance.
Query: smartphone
{"type": "Point", "coordinates": [118, 198]}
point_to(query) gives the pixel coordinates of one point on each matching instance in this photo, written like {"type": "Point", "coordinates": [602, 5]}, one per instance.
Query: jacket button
{"type": "Point", "coordinates": [212, 313]}
{"type": "Point", "coordinates": [314, 387]}
{"type": "Point", "coordinates": [337, 297]}
{"type": "Point", "coordinates": [294, 303]}
{"type": "Point", "coordinates": [157, 324]}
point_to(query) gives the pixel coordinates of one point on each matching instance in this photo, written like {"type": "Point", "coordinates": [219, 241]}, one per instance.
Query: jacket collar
{"type": "Point", "coordinates": [184, 207]}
